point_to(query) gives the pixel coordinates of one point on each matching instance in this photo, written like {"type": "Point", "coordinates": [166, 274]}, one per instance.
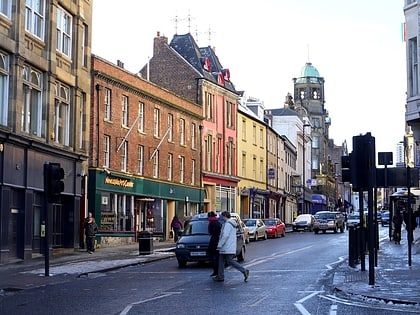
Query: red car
{"type": "Point", "coordinates": [275, 227]}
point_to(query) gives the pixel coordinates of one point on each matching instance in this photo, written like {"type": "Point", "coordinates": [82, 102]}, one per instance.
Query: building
{"type": "Point", "coordinates": [197, 75]}
{"type": "Point", "coordinates": [144, 161]}
{"type": "Point", "coordinates": [44, 97]}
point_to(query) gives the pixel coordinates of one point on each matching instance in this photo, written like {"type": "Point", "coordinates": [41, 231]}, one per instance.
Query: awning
{"type": "Point", "coordinates": [404, 193]}
{"type": "Point", "coordinates": [319, 199]}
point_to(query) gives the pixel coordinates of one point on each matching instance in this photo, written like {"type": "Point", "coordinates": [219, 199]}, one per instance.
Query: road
{"type": "Point", "coordinates": [291, 275]}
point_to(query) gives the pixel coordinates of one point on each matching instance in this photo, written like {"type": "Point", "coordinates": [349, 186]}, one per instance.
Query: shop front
{"type": "Point", "coordinates": [125, 205]}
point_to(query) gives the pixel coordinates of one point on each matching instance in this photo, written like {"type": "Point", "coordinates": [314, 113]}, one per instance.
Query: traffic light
{"type": "Point", "coordinates": [346, 168]}
{"type": "Point", "coordinates": [54, 182]}
{"type": "Point", "coordinates": [363, 163]}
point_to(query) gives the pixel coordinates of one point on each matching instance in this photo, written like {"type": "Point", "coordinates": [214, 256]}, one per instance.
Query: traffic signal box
{"type": "Point", "coordinates": [54, 184]}
{"type": "Point", "coordinates": [359, 167]}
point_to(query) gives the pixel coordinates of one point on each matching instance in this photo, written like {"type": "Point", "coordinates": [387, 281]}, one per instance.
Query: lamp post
{"type": "Point", "coordinates": [304, 166]}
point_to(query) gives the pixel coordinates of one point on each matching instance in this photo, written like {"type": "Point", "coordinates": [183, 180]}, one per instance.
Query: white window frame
{"type": "Point", "coordinates": [156, 119]}
{"type": "Point", "coordinates": [64, 31]}
{"type": "Point", "coordinates": [124, 109]}
{"type": "Point", "coordinates": [124, 156]}
{"type": "Point", "coordinates": [170, 166]}
{"type": "Point", "coordinates": [6, 8]}
{"type": "Point", "coordinates": [170, 127]}
{"type": "Point", "coordinates": [140, 126]}
{"type": "Point", "coordinates": [107, 150]}
{"type": "Point", "coordinates": [193, 136]}
{"type": "Point", "coordinates": [4, 88]}
{"type": "Point", "coordinates": [82, 119]}
{"type": "Point", "coordinates": [181, 169]}
{"type": "Point", "coordinates": [156, 164]}
{"type": "Point", "coordinates": [31, 117]}
{"type": "Point", "coordinates": [140, 160]}
{"type": "Point", "coordinates": [35, 18]}
{"type": "Point", "coordinates": [62, 114]}
{"type": "Point", "coordinates": [85, 44]}
{"type": "Point", "coordinates": [192, 172]}
{"type": "Point", "coordinates": [107, 104]}
{"type": "Point", "coordinates": [182, 131]}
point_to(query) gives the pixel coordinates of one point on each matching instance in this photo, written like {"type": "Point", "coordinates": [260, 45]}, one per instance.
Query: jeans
{"type": "Point", "coordinates": [228, 258]}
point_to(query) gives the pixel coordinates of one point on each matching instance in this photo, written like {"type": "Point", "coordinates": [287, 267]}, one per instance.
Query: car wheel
{"type": "Point", "coordinates": [182, 263]}
{"type": "Point", "coordinates": [283, 234]}
{"type": "Point", "coordinates": [265, 235]}
{"type": "Point", "coordinates": [276, 235]}
{"type": "Point", "coordinates": [241, 256]}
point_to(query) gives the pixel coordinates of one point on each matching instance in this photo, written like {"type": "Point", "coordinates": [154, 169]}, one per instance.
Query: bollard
{"type": "Point", "coordinates": [145, 243]}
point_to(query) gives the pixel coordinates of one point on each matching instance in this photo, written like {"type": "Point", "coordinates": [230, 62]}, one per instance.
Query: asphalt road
{"type": "Point", "coordinates": [291, 275]}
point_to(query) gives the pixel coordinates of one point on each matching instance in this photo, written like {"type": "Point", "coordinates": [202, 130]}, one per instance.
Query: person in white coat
{"type": "Point", "coordinates": [227, 248]}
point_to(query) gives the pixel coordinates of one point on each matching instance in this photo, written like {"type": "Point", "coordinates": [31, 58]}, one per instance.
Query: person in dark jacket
{"type": "Point", "coordinates": [176, 226]}
{"type": "Point", "coordinates": [410, 232]}
{"type": "Point", "coordinates": [90, 231]}
{"type": "Point", "coordinates": [214, 230]}
{"type": "Point", "coordinates": [397, 220]}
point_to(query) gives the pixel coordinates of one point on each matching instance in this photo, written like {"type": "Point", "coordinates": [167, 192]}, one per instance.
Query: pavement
{"type": "Point", "coordinates": [395, 281]}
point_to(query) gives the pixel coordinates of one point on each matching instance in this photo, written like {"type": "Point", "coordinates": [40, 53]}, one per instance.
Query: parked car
{"type": "Point", "coordinates": [303, 222]}
{"type": "Point", "coordinates": [257, 229]}
{"type": "Point", "coordinates": [353, 219]}
{"type": "Point", "coordinates": [193, 244]}
{"type": "Point", "coordinates": [328, 221]}
{"type": "Point", "coordinates": [275, 227]}
{"type": "Point", "coordinates": [239, 221]}
{"type": "Point", "coordinates": [385, 218]}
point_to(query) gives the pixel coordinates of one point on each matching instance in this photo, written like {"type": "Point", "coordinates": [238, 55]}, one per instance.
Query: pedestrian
{"type": "Point", "coordinates": [91, 228]}
{"type": "Point", "coordinates": [214, 230]}
{"type": "Point", "coordinates": [397, 220]}
{"type": "Point", "coordinates": [227, 248]}
{"type": "Point", "coordinates": [413, 223]}
{"type": "Point", "coordinates": [176, 226]}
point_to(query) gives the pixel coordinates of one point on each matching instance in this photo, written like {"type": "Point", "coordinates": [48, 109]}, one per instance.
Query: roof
{"type": "Point", "coordinates": [311, 73]}
{"type": "Point", "coordinates": [281, 112]}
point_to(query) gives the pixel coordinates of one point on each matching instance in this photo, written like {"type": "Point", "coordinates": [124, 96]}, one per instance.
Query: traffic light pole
{"type": "Point", "coordinates": [44, 226]}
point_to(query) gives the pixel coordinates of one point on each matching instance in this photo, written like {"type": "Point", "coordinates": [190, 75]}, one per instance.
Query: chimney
{"type": "Point", "coordinates": [159, 43]}
{"type": "Point", "coordinates": [120, 64]}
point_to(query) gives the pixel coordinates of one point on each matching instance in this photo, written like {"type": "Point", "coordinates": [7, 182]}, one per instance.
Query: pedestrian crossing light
{"type": "Point", "coordinates": [55, 184]}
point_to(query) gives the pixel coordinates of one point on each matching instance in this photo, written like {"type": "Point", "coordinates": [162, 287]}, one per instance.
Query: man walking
{"type": "Point", "coordinates": [227, 248]}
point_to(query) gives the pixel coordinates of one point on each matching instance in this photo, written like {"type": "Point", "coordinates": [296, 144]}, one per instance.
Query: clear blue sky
{"type": "Point", "coordinates": [355, 45]}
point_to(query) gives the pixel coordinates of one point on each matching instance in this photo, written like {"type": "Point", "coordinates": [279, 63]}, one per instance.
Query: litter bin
{"type": "Point", "coordinates": [145, 243]}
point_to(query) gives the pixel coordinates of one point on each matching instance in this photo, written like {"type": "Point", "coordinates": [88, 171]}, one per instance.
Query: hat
{"type": "Point", "coordinates": [226, 214]}
{"type": "Point", "coordinates": [211, 214]}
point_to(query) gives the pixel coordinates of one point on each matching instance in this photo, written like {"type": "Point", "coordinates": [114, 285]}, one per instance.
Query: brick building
{"type": "Point", "coordinates": [144, 161]}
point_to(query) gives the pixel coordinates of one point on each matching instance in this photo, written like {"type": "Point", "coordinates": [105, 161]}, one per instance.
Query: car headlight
{"type": "Point", "coordinates": [180, 246]}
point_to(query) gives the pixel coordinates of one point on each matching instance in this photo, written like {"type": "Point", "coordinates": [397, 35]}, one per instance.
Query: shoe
{"type": "Point", "coordinates": [246, 275]}
{"type": "Point", "coordinates": [218, 279]}
{"type": "Point", "coordinates": [90, 252]}
{"type": "Point", "coordinates": [213, 274]}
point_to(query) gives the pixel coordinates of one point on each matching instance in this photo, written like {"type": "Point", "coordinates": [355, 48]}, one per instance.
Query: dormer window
{"type": "Point", "coordinates": [206, 63]}
{"type": "Point", "coordinates": [226, 74]}
{"type": "Point", "coordinates": [220, 79]}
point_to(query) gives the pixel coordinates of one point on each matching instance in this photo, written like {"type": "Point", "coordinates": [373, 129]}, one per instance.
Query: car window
{"type": "Point", "coordinates": [250, 222]}
{"type": "Point", "coordinates": [196, 227]}
{"type": "Point", "coordinates": [270, 222]}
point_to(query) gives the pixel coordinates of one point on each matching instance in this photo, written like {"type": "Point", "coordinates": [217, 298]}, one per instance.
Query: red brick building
{"type": "Point", "coordinates": [144, 161]}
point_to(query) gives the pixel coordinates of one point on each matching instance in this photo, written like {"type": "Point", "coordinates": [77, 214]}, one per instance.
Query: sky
{"type": "Point", "coordinates": [356, 46]}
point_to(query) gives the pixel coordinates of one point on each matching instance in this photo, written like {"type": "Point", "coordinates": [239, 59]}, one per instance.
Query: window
{"type": "Point", "coordinates": [82, 120]}
{"type": "Point", "coordinates": [35, 17]}
{"type": "Point", "coordinates": [192, 172]}
{"type": "Point", "coordinates": [140, 126]}
{"type": "Point", "coordinates": [413, 69]}
{"type": "Point", "coordinates": [4, 88]}
{"type": "Point", "coordinates": [230, 117]}
{"type": "Point", "coordinates": [33, 116]}
{"type": "Point", "coordinates": [156, 164]}
{"type": "Point", "coordinates": [107, 143]}
{"type": "Point", "coordinates": [5, 7]}
{"type": "Point", "coordinates": [209, 106]}
{"type": "Point", "coordinates": [107, 104]}
{"type": "Point", "coordinates": [156, 116]}
{"type": "Point", "coordinates": [243, 129]}
{"type": "Point", "coordinates": [182, 131]}
{"type": "Point", "coordinates": [181, 169]}
{"type": "Point", "coordinates": [124, 156]}
{"type": "Point", "coordinates": [315, 142]}
{"type": "Point", "coordinates": [193, 136]}
{"type": "Point", "coordinates": [170, 162]}
{"type": "Point", "coordinates": [261, 170]}
{"type": "Point", "coordinates": [140, 160]}
{"type": "Point", "coordinates": [209, 153]}
{"type": "Point", "coordinates": [261, 137]}
{"type": "Point", "coordinates": [254, 135]}
{"type": "Point", "coordinates": [124, 110]}
{"type": "Point", "coordinates": [230, 158]}
{"type": "Point", "coordinates": [243, 164]}
{"type": "Point", "coordinates": [170, 127]}
{"type": "Point", "coordinates": [85, 44]}
{"type": "Point", "coordinates": [254, 167]}
{"type": "Point", "coordinates": [62, 114]}
{"type": "Point", "coordinates": [64, 28]}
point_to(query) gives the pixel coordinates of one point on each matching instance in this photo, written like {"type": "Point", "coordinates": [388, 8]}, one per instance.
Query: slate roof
{"type": "Point", "coordinates": [186, 46]}
{"type": "Point", "coordinates": [281, 112]}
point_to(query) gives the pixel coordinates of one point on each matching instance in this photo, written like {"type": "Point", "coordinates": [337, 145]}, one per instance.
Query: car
{"type": "Point", "coordinates": [385, 218]}
{"type": "Point", "coordinates": [239, 221]}
{"type": "Point", "coordinates": [303, 222]}
{"type": "Point", "coordinates": [192, 246]}
{"type": "Point", "coordinates": [353, 220]}
{"type": "Point", "coordinates": [257, 229]}
{"type": "Point", "coordinates": [328, 221]}
{"type": "Point", "coordinates": [275, 227]}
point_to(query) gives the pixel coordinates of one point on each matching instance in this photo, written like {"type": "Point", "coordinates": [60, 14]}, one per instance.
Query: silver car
{"type": "Point", "coordinates": [257, 229]}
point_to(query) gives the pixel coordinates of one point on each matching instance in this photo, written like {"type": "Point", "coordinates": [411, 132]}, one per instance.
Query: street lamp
{"type": "Point", "coordinates": [304, 166]}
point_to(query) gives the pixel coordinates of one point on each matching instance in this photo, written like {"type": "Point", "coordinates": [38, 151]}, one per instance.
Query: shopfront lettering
{"type": "Point", "coordinates": [119, 182]}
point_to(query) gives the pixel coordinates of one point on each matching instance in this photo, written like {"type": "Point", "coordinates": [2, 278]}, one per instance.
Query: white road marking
{"type": "Point", "coordinates": [128, 307]}
{"type": "Point", "coordinates": [299, 305]}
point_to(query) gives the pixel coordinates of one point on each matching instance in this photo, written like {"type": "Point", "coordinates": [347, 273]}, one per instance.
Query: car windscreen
{"type": "Point", "coordinates": [196, 227]}
{"type": "Point", "coordinates": [270, 222]}
{"type": "Point", "coordinates": [326, 216]}
{"type": "Point", "coordinates": [250, 222]}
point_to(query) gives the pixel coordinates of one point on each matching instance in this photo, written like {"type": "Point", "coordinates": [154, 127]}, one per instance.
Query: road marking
{"type": "Point", "coordinates": [333, 309]}
{"type": "Point", "coordinates": [299, 305]}
{"type": "Point", "coordinates": [128, 307]}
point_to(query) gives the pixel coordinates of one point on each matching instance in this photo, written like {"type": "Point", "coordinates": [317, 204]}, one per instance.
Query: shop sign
{"type": "Point", "coordinates": [120, 182]}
